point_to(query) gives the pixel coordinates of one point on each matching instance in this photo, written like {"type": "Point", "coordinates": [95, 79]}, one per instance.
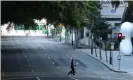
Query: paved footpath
{"type": "Point", "coordinates": [126, 64]}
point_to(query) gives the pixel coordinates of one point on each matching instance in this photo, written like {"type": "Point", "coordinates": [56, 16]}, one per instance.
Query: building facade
{"type": "Point", "coordinates": [111, 15]}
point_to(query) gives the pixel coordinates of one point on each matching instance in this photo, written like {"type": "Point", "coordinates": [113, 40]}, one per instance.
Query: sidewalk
{"type": "Point", "coordinates": [126, 62]}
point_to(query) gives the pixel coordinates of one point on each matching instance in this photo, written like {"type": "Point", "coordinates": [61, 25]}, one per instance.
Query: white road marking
{"type": "Point", "coordinates": [24, 56]}
{"type": "Point", "coordinates": [37, 78]}
{"type": "Point", "coordinates": [77, 63]}
{"type": "Point", "coordinates": [53, 62]}
{"type": "Point", "coordinates": [32, 70]}
{"type": "Point", "coordinates": [19, 78]}
{"type": "Point", "coordinates": [48, 57]}
{"type": "Point", "coordinates": [131, 74]}
{"type": "Point", "coordinates": [73, 78]}
{"type": "Point", "coordinates": [58, 68]}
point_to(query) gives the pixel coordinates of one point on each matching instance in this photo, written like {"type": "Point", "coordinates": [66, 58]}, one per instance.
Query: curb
{"type": "Point", "coordinates": [104, 64]}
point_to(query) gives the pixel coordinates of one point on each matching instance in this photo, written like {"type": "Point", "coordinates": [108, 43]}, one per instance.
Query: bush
{"type": "Point", "coordinates": [107, 46]}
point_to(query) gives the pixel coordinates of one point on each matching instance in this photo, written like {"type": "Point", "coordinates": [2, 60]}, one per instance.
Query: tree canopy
{"type": "Point", "coordinates": [73, 13]}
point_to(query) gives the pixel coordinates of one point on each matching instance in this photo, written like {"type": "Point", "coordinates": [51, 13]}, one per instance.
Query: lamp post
{"type": "Point", "coordinates": [92, 44]}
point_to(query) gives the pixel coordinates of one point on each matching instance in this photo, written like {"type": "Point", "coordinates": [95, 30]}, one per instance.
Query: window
{"type": "Point", "coordinates": [113, 19]}
{"type": "Point", "coordinates": [117, 24]}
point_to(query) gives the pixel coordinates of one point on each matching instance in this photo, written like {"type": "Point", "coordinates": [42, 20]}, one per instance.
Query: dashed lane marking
{"type": "Point", "coordinates": [58, 68]}
{"type": "Point", "coordinates": [37, 78]}
{"type": "Point", "coordinates": [24, 56]}
{"type": "Point", "coordinates": [53, 62]}
{"type": "Point", "coordinates": [131, 74]}
{"type": "Point", "coordinates": [48, 57]}
{"type": "Point", "coordinates": [73, 78]}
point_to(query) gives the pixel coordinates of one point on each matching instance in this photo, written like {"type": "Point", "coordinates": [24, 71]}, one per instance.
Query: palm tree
{"type": "Point", "coordinates": [128, 12]}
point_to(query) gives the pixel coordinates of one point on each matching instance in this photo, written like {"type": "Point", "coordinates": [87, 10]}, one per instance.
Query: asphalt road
{"type": "Point", "coordinates": [39, 58]}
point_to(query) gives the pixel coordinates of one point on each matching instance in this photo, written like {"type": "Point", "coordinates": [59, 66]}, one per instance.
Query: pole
{"type": "Point", "coordinates": [100, 48]}
{"type": "Point", "coordinates": [110, 55]}
{"type": "Point", "coordinates": [106, 53]}
{"type": "Point", "coordinates": [119, 58]}
{"type": "Point", "coordinates": [60, 36]}
{"type": "Point", "coordinates": [92, 44]}
{"type": "Point", "coordinates": [119, 61]}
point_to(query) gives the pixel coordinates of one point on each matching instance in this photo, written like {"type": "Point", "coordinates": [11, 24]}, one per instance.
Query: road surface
{"type": "Point", "coordinates": [39, 58]}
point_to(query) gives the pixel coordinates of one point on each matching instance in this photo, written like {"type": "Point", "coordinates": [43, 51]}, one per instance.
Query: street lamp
{"type": "Point", "coordinates": [92, 44]}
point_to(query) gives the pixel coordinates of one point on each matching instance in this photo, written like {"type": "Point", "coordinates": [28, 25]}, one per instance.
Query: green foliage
{"type": "Point", "coordinates": [107, 46]}
{"type": "Point", "coordinates": [97, 24]}
{"type": "Point", "coordinates": [74, 13]}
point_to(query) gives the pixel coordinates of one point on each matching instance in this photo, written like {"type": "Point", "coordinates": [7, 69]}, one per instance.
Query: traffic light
{"type": "Point", "coordinates": [119, 38]}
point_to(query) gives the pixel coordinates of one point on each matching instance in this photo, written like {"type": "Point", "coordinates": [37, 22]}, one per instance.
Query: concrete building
{"type": "Point", "coordinates": [111, 15]}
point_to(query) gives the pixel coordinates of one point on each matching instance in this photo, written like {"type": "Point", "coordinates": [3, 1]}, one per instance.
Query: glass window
{"type": "Point", "coordinates": [113, 19]}
{"type": "Point", "coordinates": [117, 24]}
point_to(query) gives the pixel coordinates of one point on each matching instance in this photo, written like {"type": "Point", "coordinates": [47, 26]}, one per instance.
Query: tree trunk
{"type": "Point", "coordinates": [77, 39]}
{"type": "Point", "coordinates": [47, 29]}
{"type": "Point", "coordinates": [65, 36]}
{"type": "Point", "coordinates": [88, 39]}
{"type": "Point", "coordinates": [72, 36]}
{"type": "Point", "coordinates": [95, 50]}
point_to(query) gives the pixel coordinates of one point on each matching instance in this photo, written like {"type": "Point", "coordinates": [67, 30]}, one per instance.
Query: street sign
{"type": "Point", "coordinates": [60, 26]}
